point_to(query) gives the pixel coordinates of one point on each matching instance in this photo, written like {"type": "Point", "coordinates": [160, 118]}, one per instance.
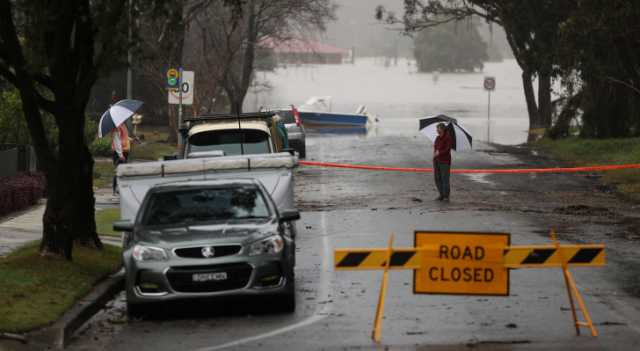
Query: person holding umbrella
{"type": "Point", "coordinates": [113, 120]}
{"type": "Point", "coordinates": [442, 161]}
{"type": "Point", "coordinates": [120, 144]}
{"type": "Point", "coordinates": [446, 134]}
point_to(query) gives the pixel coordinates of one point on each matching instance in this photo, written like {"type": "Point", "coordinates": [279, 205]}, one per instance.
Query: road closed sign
{"type": "Point", "coordinates": [461, 263]}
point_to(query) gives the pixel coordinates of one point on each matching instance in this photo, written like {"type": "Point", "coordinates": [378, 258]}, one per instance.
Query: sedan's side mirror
{"type": "Point", "coordinates": [289, 215]}
{"type": "Point", "coordinates": [123, 226]}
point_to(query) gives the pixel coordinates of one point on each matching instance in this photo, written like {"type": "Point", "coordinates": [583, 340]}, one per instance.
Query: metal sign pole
{"type": "Point", "coordinates": [488, 116]}
{"type": "Point", "coordinates": [180, 81]}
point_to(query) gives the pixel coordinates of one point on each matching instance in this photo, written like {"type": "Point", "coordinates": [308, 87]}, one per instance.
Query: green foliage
{"type": "Point", "coordinates": [450, 47]}
{"type": "Point", "coordinates": [37, 290]}
{"type": "Point", "coordinates": [13, 127]}
{"type": "Point", "coordinates": [599, 42]}
{"type": "Point", "coordinates": [101, 147]}
{"type": "Point", "coordinates": [103, 171]}
{"type": "Point", "coordinates": [587, 152]}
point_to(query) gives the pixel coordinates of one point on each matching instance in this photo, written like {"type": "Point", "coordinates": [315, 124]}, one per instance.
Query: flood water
{"type": "Point", "coordinates": [398, 95]}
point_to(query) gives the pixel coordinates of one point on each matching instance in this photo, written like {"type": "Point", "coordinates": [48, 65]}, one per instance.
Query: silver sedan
{"type": "Point", "coordinates": [208, 238]}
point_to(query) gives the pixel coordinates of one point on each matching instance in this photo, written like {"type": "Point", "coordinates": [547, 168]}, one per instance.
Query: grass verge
{"type": "Point", "coordinates": [103, 172]}
{"type": "Point", "coordinates": [37, 290]}
{"type": "Point", "coordinates": [154, 144]}
{"type": "Point", "coordinates": [151, 151]}
{"type": "Point", "coordinates": [589, 152]}
{"type": "Point", "coordinates": [105, 219]}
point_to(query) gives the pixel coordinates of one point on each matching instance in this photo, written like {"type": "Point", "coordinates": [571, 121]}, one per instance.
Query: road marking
{"type": "Point", "coordinates": [322, 310]}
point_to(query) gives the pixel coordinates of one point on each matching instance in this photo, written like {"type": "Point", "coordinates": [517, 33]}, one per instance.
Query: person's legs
{"type": "Point", "coordinates": [438, 178]}
{"type": "Point", "coordinates": [116, 161]}
{"type": "Point", "coordinates": [445, 175]}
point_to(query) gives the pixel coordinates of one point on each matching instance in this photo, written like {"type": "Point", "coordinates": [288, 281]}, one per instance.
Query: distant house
{"type": "Point", "coordinates": [304, 51]}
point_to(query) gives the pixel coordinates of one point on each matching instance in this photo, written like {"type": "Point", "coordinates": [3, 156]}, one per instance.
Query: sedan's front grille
{"type": "Point", "coordinates": [217, 251]}
{"type": "Point", "coordinates": [236, 277]}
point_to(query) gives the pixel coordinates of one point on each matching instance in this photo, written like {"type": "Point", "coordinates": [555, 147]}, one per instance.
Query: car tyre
{"type": "Point", "coordinates": [287, 301]}
{"type": "Point", "coordinates": [137, 311]}
{"type": "Point", "coordinates": [303, 151]}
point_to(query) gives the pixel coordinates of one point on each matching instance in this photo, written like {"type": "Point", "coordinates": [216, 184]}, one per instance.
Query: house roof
{"type": "Point", "coordinates": [298, 46]}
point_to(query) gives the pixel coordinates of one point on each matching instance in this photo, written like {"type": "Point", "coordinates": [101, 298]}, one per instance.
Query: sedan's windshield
{"type": "Point", "coordinates": [188, 206]}
{"type": "Point", "coordinates": [231, 142]}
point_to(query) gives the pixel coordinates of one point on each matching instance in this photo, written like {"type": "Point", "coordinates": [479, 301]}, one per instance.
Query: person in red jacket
{"type": "Point", "coordinates": [442, 161]}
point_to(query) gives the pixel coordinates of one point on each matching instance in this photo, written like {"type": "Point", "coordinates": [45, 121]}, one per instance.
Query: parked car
{"type": "Point", "coordinates": [210, 238]}
{"type": "Point", "coordinates": [228, 135]}
{"type": "Point", "coordinates": [217, 146]}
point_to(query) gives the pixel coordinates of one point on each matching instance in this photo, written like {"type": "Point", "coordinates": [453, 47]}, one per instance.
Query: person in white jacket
{"type": "Point", "coordinates": [121, 146]}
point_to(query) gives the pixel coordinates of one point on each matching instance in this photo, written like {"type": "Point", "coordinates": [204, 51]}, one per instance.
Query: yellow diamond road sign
{"type": "Point", "coordinates": [462, 264]}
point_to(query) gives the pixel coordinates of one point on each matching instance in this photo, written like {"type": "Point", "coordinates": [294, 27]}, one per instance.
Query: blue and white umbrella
{"type": "Point", "coordinates": [116, 115]}
{"type": "Point", "coordinates": [462, 140]}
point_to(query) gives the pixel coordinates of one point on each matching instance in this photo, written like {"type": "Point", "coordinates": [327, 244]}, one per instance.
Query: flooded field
{"type": "Point", "coordinates": [398, 95]}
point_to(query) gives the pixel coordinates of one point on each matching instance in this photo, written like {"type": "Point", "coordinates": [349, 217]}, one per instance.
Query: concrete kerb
{"type": "Point", "coordinates": [59, 334]}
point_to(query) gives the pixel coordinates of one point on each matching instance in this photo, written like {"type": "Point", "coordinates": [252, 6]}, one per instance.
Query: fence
{"type": "Point", "coordinates": [16, 159]}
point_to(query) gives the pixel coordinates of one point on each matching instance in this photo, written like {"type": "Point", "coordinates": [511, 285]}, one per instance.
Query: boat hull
{"type": "Point", "coordinates": [333, 119]}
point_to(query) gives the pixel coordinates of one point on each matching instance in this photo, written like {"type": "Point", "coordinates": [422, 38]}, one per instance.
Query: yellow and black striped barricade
{"type": "Point", "coordinates": [463, 263]}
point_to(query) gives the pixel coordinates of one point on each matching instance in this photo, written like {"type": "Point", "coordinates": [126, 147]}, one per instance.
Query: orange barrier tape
{"type": "Point", "coordinates": [467, 171]}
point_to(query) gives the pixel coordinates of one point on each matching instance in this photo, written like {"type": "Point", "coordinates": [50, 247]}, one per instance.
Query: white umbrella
{"type": "Point", "coordinates": [462, 140]}
{"type": "Point", "coordinates": [116, 115]}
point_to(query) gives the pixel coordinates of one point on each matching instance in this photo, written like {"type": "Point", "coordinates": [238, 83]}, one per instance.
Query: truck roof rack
{"type": "Point", "coordinates": [229, 116]}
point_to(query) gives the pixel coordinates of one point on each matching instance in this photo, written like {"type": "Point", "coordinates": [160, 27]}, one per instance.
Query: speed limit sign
{"type": "Point", "coordinates": [187, 86]}
{"type": "Point", "coordinates": [489, 83]}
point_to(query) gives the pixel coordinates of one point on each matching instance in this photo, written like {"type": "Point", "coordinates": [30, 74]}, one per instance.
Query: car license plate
{"type": "Point", "coordinates": [207, 277]}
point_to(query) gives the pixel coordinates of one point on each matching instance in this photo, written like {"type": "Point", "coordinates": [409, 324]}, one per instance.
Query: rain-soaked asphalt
{"type": "Point", "coordinates": [344, 208]}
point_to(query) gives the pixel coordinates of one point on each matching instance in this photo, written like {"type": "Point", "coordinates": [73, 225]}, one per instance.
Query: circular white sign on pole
{"type": "Point", "coordinates": [489, 83]}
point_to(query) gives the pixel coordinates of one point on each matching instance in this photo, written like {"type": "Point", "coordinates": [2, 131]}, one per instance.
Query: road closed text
{"type": "Point", "coordinates": [462, 263]}
{"type": "Point", "coordinates": [464, 274]}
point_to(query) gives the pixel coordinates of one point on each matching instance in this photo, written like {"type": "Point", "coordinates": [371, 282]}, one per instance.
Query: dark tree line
{"type": "Point", "coordinates": [455, 46]}
{"type": "Point", "coordinates": [53, 52]}
{"type": "Point", "coordinates": [587, 45]}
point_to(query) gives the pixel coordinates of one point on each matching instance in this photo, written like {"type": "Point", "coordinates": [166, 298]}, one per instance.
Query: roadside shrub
{"type": "Point", "coordinates": [13, 127]}
{"type": "Point", "coordinates": [20, 191]}
{"type": "Point", "coordinates": [101, 147]}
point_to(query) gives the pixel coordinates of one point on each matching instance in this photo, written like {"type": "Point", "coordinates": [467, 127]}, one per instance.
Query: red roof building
{"type": "Point", "coordinates": [305, 51]}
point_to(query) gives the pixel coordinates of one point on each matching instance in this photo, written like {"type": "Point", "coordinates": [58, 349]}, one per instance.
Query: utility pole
{"type": "Point", "coordinates": [129, 54]}
{"type": "Point", "coordinates": [180, 82]}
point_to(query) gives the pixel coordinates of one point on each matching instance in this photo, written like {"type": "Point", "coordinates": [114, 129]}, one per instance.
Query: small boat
{"type": "Point", "coordinates": [317, 111]}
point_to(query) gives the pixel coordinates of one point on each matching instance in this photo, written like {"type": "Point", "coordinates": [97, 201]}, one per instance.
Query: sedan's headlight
{"type": "Point", "coordinates": [270, 245]}
{"type": "Point", "coordinates": [149, 253]}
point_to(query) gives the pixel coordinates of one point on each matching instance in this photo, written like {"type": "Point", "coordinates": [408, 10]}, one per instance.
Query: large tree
{"type": "Point", "coordinates": [455, 46]}
{"type": "Point", "coordinates": [532, 30]}
{"type": "Point", "coordinates": [601, 68]}
{"type": "Point", "coordinates": [53, 52]}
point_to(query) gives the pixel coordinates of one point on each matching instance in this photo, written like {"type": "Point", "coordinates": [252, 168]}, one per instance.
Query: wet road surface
{"type": "Point", "coordinates": [352, 208]}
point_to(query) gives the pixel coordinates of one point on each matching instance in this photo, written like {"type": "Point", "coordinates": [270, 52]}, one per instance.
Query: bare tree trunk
{"type": "Point", "coordinates": [249, 56]}
{"type": "Point", "coordinates": [529, 95]}
{"type": "Point", "coordinates": [544, 100]}
{"type": "Point", "coordinates": [173, 124]}
{"type": "Point", "coordinates": [69, 215]}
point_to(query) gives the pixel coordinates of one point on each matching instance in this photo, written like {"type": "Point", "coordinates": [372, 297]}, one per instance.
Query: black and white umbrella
{"type": "Point", "coordinates": [116, 115]}
{"type": "Point", "coordinates": [462, 140]}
